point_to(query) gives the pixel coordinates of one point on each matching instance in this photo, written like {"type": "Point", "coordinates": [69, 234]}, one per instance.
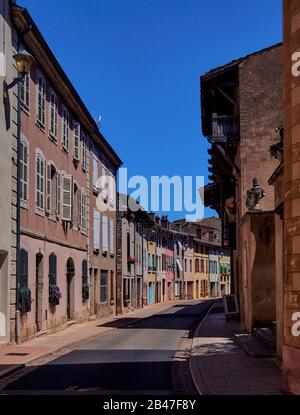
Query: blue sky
{"type": "Point", "coordinates": [138, 64]}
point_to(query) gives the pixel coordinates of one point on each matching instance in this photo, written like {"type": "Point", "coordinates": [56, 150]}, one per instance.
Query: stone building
{"type": "Point", "coordinates": [241, 108]}
{"type": "Point", "coordinates": [58, 138]}
{"type": "Point", "coordinates": [8, 122]}
{"type": "Point", "coordinates": [291, 180]}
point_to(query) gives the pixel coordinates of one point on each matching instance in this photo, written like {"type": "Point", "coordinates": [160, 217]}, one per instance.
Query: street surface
{"type": "Point", "coordinates": [148, 357]}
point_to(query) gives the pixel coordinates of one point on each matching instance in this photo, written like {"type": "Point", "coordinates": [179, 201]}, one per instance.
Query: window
{"type": "Point", "coordinates": [24, 169]}
{"type": "Point", "coordinates": [96, 230]}
{"type": "Point", "coordinates": [76, 205]}
{"type": "Point", "coordinates": [103, 286]}
{"type": "Point", "coordinates": [84, 152]}
{"type": "Point", "coordinates": [185, 265]}
{"type": "Point", "coordinates": [41, 99]}
{"type": "Point", "coordinates": [84, 274]}
{"type": "Point", "coordinates": [202, 269]}
{"type": "Point", "coordinates": [51, 189]}
{"type": "Point", "coordinates": [83, 210]}
{"type": "Point", "coordinates": [25, 90]}
{"type": "Point", "coordinates": [111, 237]}
{"type": "Point", "coordinates": [76, 141]}
{"type": "Point", "coordinates": [95, 173]}
{"type": "Point", "coordinates": [149, 261]}
{"type": "Point", "coordinates": [112, 286]}
{"type": "Point", "coordinates": [65, 130]}
{"type": "Point", "coordinates": [191, 265]}
{"type": "Point", "coordinates": [52, 269]}
{"type": "Point", "coordinates": [40, 180]}
{"type": "Point", "coordinates": [67, 186]}
{"type": "Point", "coordinates": [53, 116]}
{"type": "Point", "coordinates": [23, 282]}
{"type": "Point", "coordinates": [197, 265]}
{"type": "Point", "coordinates": [104, 233]}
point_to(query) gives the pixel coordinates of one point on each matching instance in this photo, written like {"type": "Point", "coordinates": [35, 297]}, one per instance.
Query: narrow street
{"type": "Point", "coordinates": [136, 359]}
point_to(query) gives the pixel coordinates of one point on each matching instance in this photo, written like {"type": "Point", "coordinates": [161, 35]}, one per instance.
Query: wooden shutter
{"type": "Point", "coordinates": [58, 206]}
{"type": "Point", "coordinates": [111, 237]}
{"type": "Point", "coordinates": [76, 140]}
{"type": "Point", "coordinates": [104, 234]}
{"type": "Point", "coordinates": [95, 172]}
{"type": "Point", "coordinates": [67, 198]}
{"type": "Point", "coordinates": [96, 225]}
{"type": "Point", "coordinates": [79, 208]}
{"type": "Point", "coordinates": [48, 187]}
{"type": "Point", "coordinates": [83, 211]}
{"type": "Point", "coordinates": [53, 199]}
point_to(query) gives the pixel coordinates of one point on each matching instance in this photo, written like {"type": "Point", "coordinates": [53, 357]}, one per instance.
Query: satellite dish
{"type": "Point", "coordinates": [98, 121]}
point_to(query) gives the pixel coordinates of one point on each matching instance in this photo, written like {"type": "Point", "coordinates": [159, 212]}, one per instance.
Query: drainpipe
{"type": "Point", "coordinates": [18, 216]}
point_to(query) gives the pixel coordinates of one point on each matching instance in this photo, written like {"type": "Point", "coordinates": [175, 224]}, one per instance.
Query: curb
{"type": "Point", "coordinates": [10, 370]}
{"type": "Point", "coordinates": [196, 374]}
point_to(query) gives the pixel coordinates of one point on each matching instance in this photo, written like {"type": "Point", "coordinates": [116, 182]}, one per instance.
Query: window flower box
{"type": "Point", "coordinates": [131, 260]}
{"type": "Point", "coordinates": [85, 292]}
{"type": "Point", "coordinates": [54, 295]}
{"type": "Point", "coordinates": [25, 300]}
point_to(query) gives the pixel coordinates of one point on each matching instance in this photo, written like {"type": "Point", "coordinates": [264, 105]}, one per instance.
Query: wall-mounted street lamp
{"type": "Point", "coordinates": [24, 62]}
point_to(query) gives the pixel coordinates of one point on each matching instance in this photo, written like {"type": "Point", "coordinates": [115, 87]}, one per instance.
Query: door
{"type": "Point", "coordinates": [38, 291]}
{"type": "Point", "coordinates": [70, 288]}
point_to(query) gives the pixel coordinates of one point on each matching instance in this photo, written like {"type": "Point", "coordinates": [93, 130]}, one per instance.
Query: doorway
{"type": "Point", "coordinates": [70, 288]}
{"type": "Point", "coordinates": [39, 287]}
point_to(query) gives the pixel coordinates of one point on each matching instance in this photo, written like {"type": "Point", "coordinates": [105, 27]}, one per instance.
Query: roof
{"type": "Point", "coordinates": [236, 62]}
{"type": "Point", "coordinates": [20, 12]}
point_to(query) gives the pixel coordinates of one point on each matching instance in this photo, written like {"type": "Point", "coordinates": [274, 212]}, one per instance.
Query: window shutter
{"type": "Point", "coordinates": [27, 89]}
{"type": "Point", "coordinates": [111, 238]}
{"type": "Point", "coordinates": [67, 198]}
{"type": "Point", "coordinates": [76, 140]}
{"type": "Point", "coordinates": [58, 206]}
{"type": "Point", "coordinates": [48, 187]}
{"type": "Point", "coordinates": [53, 198]}
{"type": "Point", "coordinates": [95, 172]}
{"type": "Point", "coordinates": [96, 225]}
{"type": "Point", "coordinates": [83, 211]}
{"type": "Point", "coordinates": [79, 208]}
{"type": "Point", "coordinates": [104, 234]}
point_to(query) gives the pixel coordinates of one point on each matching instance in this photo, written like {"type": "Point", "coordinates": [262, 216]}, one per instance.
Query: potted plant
{"type": "Point", "coordinates": [54, 294]}
{"type": "Point", "coordinates": [25, 300]}
{"type": "Point", "coordinates": [131, 260]}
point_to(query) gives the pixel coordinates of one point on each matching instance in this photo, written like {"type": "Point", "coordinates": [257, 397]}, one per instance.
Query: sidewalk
{"type": "Point", "coordinates": [14, 357]}
{"type": "Point", "coordinates": [220, 367]}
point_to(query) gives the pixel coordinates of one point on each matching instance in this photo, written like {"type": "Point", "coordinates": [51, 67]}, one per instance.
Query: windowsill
{"type": "Point", "coordinates": [52, 217]}
{"type": "Point", "coordinates": [40, 126]}
{"type": "Point", "coordinates": [96, 251]}
{"type": "Point", "coordinates": [112, 255]}
{"type": "Point", "coordinates": [25, 109]}
{"type": "Point", "coordinates": [65, 150]}
{"type": "Point", "coordinates": [53, 138]}
{"type": "Point", "coordinates": [24, 204]}
{"type": "Point", "coordinates": [39, 211]}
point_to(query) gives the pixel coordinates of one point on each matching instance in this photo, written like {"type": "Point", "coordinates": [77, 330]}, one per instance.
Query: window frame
{"type": "Point", "coordinates": [39, 155]}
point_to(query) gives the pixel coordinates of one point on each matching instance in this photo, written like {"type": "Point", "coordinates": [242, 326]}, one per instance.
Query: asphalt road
{"type": "Point", "coordinates": [134, 359]}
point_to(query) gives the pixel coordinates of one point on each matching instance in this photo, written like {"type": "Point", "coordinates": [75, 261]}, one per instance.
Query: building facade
{"type": "Point", "coordinates": [8, 170]}
{"type": "Point", "coordinates": [58, 136]}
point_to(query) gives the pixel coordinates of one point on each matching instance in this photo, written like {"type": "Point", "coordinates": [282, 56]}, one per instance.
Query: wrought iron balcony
{"type": "Point", "coordinates": [225, 127]}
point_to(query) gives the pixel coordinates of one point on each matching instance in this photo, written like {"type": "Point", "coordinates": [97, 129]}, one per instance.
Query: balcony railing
{"type": "Point", "coordinates": [225, 126]}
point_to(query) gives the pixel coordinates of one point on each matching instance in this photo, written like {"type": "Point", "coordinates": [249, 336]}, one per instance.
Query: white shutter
{"type": "Point", "coordinates": [96, 225]}
{"type": "Point", "coordinates": [95, 172]}
{"type": "Point", "coordinates": [76, 140]}
{"type": "Point", "coordinates": [79, 208]}
{"type": "Point", "coordinates": [111, 237]}
{"type": "Point", "coordinates": [67, 197]}
{"type": "Point", "coordinates": [53, 198]}
{"type": "Point", "coordinates": [83, 211]}
{"type": "Point", "coordinates": [104, 234]}
{"type": "Point", "coordinates": [48, 187]}
{"type": "Point", "coordinates": [58, 206]}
